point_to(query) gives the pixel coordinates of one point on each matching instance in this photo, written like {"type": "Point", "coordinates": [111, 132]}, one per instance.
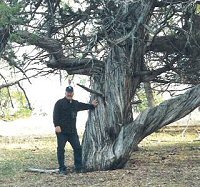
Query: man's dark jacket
{"type": "Point", "coordinates": [65, 112]}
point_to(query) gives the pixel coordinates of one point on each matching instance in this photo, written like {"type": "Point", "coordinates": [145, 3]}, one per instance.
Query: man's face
{"type": "Point", "coordinates": [69, 95]}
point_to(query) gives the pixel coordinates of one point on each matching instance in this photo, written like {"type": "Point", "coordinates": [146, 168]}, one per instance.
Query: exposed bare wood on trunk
{"type": "Point", "coordinates": [112, 113]}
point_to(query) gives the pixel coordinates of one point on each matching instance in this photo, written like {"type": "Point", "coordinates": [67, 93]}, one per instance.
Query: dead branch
{"type": "Point", "coordinates": [92, 91]}
{"type": "Point", "coordinates": [23, 90]}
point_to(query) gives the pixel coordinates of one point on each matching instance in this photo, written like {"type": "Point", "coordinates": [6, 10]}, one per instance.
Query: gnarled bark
{"type": "Point", "coordinates": [115, 154]}
{"type": "Point", "coordinates": [106, 124]}
{"type": "Point", "coordinates": [112, 113]}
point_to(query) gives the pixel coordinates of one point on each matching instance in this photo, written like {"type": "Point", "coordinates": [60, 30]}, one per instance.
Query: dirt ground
{"type": "Point", "coordinates": [163, 159]}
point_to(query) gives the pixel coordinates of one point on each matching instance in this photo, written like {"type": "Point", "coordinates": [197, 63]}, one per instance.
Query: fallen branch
{"type": "Point", "coordinates": [42, 170]}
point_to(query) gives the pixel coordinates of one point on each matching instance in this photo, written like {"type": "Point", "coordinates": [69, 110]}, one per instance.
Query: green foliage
{"type": "Point", "coordinates": [19, 110]}
{"type": "Point", "coordinates": [65, 7]}
{"type": "Point", "coordinates": [144, 105]}
{"type": "Point", "coordinates": [14, 37]}
{"type": "Point", "coordinates": [8, 15]}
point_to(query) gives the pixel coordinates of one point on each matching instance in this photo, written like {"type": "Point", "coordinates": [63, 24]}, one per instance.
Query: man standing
{"type": "Point", "coordinates": [64, 119]}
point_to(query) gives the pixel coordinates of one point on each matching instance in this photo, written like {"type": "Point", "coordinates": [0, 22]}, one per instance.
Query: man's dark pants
{"type": "Point", "coordinates": [73, 139]}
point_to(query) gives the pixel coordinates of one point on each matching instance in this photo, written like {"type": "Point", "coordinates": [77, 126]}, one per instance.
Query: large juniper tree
{"type": "Point", "coordinates": [120, 45]}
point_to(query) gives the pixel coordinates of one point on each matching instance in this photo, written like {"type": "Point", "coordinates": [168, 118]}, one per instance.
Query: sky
{"type": "Point", "coordinates": [45, 91]}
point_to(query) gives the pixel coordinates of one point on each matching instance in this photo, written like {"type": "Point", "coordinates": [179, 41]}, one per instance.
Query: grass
{"type": "Point", "coordinates": [17, 154]}
{"type": "Point", "coordinates": [163, 159]}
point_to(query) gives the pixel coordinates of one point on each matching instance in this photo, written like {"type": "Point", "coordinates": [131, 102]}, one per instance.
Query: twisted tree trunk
{"type": "Point", "coordinates": [118, 85]}
{"type": "Point", "coordinates": [111, 134]}
{"type": "Point", "coordinates": [114, 111]}
{"type": "Point", "coordinates": [101, 152]}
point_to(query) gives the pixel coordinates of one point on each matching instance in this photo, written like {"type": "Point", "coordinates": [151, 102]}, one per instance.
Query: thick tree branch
{"type": "Point", "coordinates": [169, 111]}
{"type": "Point", "coordinates": [150, 75]}
{"type": "Point", "coordinates": [170, 2]}
{"type": "Point", "coordinates": [51, 45]}
{"type": "Point", "coordinates": [172, 44]}
{"type": "Point", "coordinates": [155, 118]}
{"type": "Point", "coordinates": [89, 66]}
{"type": "Point", "coordinates": [86, 66]}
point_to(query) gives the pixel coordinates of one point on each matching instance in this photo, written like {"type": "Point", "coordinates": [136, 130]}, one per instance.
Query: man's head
{"type": "Point", "coordinates": [69, 92]}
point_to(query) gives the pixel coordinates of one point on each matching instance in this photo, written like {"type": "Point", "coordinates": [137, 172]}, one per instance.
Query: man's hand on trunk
{"type": "Point", "coordinates": [58, 129]}
{"type": "Point", "coordinates": [95, 102]}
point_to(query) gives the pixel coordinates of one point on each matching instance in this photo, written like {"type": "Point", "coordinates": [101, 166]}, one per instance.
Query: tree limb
{"type": "Point", "coordinates": [150, 75]}
{"type": "Point", "coordinates": [171, 44]}
{"type": "Point", "coordinates": [86, 66]}
{"type": "Point", "coordinates": [29, 103]}
{"type": "Point", "coordinates": [169, 111]}
{"type": "Point", "coordinates": [92, 91]}
{"type": "Point", "coordinates": [89, 66]}
{"type": "Point", "coordinates": [171, 2]}
{"type": "Point", "coordinates": [155, 118]}
{"type": "Point", "coordinates": [51, 45]}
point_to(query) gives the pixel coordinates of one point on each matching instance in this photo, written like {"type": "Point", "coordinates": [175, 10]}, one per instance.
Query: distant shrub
{"type": "Point", "coordinates": [13, 105]}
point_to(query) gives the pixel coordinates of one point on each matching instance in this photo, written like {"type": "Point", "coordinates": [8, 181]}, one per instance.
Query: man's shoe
{"type": "Point", "coordinates": [63, 172]}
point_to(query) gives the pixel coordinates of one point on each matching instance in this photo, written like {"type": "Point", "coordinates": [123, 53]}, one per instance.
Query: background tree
{"type": "Point", "coordinates": [119, 44]}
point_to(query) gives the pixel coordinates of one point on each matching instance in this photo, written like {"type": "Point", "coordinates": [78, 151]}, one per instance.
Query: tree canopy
{"type": "Point", "coordinates": [77, 35]}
